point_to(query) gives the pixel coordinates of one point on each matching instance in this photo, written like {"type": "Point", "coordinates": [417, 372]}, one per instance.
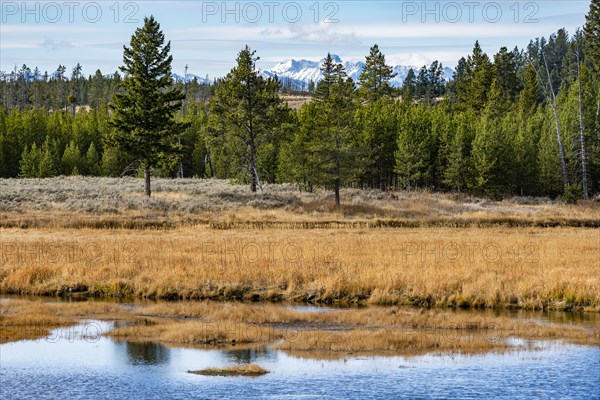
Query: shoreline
{"type": "Point", "coordinates": [334, 333]}
{"type": "Point", "coordinates": [497, 268]}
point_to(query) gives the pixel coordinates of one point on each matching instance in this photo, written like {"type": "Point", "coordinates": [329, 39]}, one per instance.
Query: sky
{"type": "Point", "coordinates": [207, 35]}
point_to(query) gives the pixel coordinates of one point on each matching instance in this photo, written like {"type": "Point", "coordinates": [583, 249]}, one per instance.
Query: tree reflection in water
{"type": "Point", "coordinates": [246, 356]}
{"type": "Point", "coordinates": [146, 353]}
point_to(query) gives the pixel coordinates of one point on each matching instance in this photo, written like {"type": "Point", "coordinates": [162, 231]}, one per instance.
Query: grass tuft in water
{"type": "Point", "coordinates": [233, 370]}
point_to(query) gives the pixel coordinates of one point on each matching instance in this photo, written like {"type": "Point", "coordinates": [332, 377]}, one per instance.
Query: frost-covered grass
{"type": "Point", "coordinates": [209, 200]}
{"type": "Point", "coordinates": [111, 195]}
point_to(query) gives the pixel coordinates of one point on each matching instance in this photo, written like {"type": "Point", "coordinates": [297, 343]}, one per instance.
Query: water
{"type": "Point", "coordinates": [79, 363]}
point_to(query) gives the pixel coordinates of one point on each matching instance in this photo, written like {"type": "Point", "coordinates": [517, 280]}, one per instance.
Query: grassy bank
{"type": "Point", "coordinates": [208, 239]}
{"type": "Point", "coordinates": [531, 268]}
{"type": "Point", "coordinates": [25, 319]}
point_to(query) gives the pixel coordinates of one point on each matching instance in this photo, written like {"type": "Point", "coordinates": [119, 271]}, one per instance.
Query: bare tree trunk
{"type": "Point", "coordinates": [252, 166]}
{"type": "Point", "coordinates": [582, 130]}
{"type": "Point", "coordinates": [337, 172]}
{"type": "Point", "coordinates": [598, 107]}
{"type": "Point", "coordinates": [561, 152]}
{"type": "Point", "coordinates": [208, 164]}
{"type": "Point", "coordinates": [180, 169]}
{"type": "Point", "coordinates": [147, 172]}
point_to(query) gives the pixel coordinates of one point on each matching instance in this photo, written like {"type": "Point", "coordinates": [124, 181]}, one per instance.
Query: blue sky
{"type": "Point", "coordinates": [207, 35]}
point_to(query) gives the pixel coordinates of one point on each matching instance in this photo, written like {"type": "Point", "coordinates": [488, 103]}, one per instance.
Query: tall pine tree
{"type": "Point", "coordinates": [375, 77]}
{"type": "Point", "coordinates": [246, 114]}
{"type": "Point", "coordinates": [143, 114]}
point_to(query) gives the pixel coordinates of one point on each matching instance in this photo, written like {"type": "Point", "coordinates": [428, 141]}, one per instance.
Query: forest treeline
{"type": "Point", "coordinates": [519, 122]}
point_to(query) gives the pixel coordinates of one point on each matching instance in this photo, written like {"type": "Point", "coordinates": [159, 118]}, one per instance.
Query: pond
{"type": "Point", "coordinates": [79, 362]}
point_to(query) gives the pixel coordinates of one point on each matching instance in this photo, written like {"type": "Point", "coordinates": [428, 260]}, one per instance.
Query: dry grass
{"type": "Point", "coordinates": [388, 341]}
{"type": "Point", "coordinates": [337, 334]}
{"type": "Point", "coordinates": [530, 268]}
{"type": "Point", "coordinates": [233, 370]}
{"type": "Point", "coordinates": [207, 239]}
{"type": "Point", "coordinates": [86, 202]}
{"type": "Point", "coordinates": [197, 333]}
{"type": "Point", "coordinates": [296, 101]}
{"type": "Point", "coordinates": [21, 319]}
{"type": "Point", "coordinates": [390, 322]}
{"type": "Point", "coordinates": [331, 334]}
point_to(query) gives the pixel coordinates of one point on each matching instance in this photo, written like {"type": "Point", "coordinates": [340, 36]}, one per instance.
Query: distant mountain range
{"type": "Point", "coordinates": [190, 77]}
{"type": "Point", "coordinates": [299, 73]}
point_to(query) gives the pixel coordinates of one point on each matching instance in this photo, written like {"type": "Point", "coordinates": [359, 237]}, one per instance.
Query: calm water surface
{"type": "Point", "coordinates": [77, 363]}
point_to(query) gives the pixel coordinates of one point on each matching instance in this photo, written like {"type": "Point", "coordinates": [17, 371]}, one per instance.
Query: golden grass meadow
{"type": "Point", "coordinates": [532, 268]}
{"type": "Point", "coordinates": [435, 253]}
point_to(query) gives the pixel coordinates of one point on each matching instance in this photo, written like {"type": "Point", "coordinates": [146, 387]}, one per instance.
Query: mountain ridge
{"type": "Point", "coordinates": [298, 73]}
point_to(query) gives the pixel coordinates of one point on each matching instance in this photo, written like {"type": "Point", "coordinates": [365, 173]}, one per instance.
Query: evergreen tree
{"type": "Point", "coordinates": [592, 55]}
{"type": "Point", "coordinates": [592, 36]}
{"type": "Point", "coordinates": [458, 82]}
{"type": "Point", "coordinates": [549, 163]}
{"type": "Point", "coordinates": [480, 76]}
{"type": "Point", "coordinates": [97, 90]}
{"type": "Point", "coordinates": [472, 80]}
{"type": "Point", "coordinates": [297, 162]}
{"type": "Point", "coordinates": [335, 147]}
{"type": "Point", "coordinates": [528, 98]}
{"type": "Point", "coordinates": [493, 147]}
{"type": "Point", "coordinates": [413, 155]}
{"type": "Point", "coordinates": [377, 123]}
{"type": "Point", "coordinates": [245, 112]}
{"type": "Point", "coordinates": [71, 160]}
{"type": "Point", "coordinates": [409, 86]}
{"type": "Point", "coordinates": [554, 54]}
{"type": "Point", "coordinates": [49, 164]}
{"type": "Point", "coordinates": [459, 173]}
{"type": "Point", "coordinates": [374, 80]}
{"type": "Point", "coordinates": [436, 79]}
{"type": "Point", "coordinates": [332, 73]}
{"type": "Point", "coordinates": [92, 161]}
{"type": "Point", "coordinates": [143, 114]}
{"type": "Point", "coordinates": [526, 153]}
{"type": "Point", "coordinates": [505, 69]}
{"type": "Point", "coordinates": [528, 135]}
{"type": "Point", "coordinates": [30, 162]}
{"type": "Point", "coordinates": [325, 150]}
{"type": "Point", "coordinates": [111, 161]}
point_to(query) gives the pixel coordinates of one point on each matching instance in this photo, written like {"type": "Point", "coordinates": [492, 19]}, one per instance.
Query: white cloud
{"type": "Point", "coordinates": [419, 58]}
{"type": "Point", "coordinates": [321, 33]}
{"type": "Point", "coordinates": [52, 44]}
{"type": "Point", "coordinates": [45, 29]}
{"type": "Point", "coordinates": [19, 45]}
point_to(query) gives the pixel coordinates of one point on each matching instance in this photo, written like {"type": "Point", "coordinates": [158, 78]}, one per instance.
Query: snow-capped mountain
{"type": "Point", "coordinates": [190, 78]}
{"type": "Point", "coordinates": [298, 73]}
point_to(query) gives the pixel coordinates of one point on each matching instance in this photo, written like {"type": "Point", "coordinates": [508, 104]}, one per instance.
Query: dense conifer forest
{"type": "Point", "coordinates": [518, 122]}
